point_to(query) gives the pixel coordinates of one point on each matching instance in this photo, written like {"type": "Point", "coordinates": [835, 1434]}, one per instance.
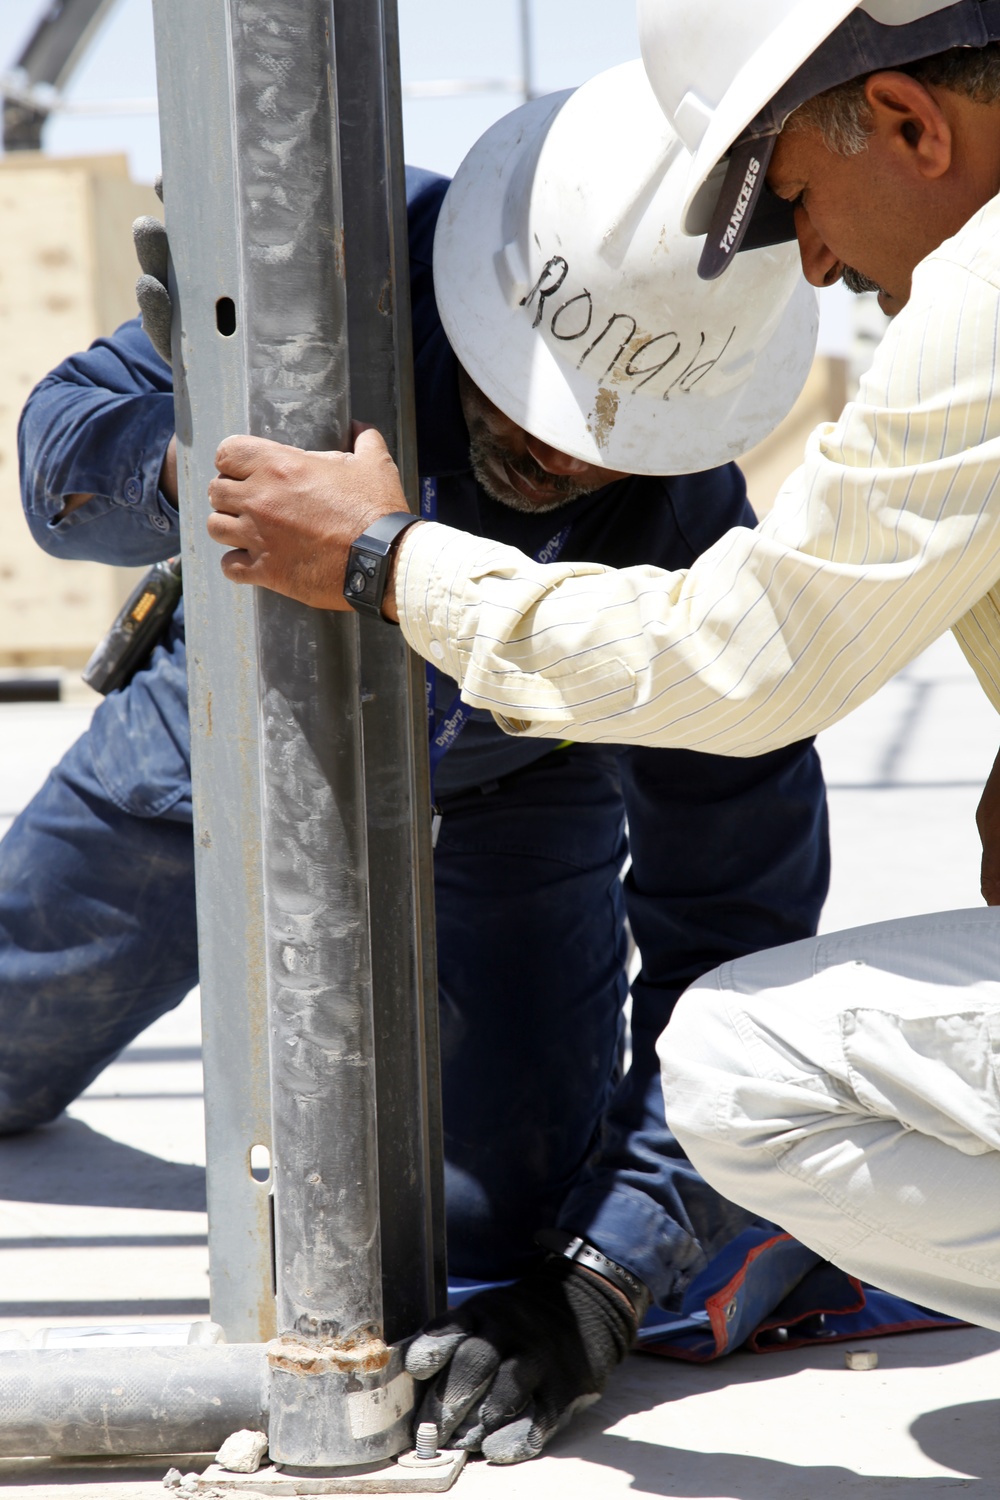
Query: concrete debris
{"type": "Point", "coordinates": [206, 1333]}
{"type": "Point", "coordinates": [181, 1484]}
{"type": "Point", "coordinates": [243, 1452]}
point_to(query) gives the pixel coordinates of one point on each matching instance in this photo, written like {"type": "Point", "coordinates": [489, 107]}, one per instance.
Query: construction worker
{"type": "Point", "coordinates": [543, 1131]}
{"type": "Point", "coordinates": [878, 1047]}
{"type": "Point", "coordinates": [846, 1086]}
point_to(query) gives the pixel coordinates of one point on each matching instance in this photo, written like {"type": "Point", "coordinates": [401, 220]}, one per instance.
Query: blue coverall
{"type": "Point", "coordinates": [97, 910]}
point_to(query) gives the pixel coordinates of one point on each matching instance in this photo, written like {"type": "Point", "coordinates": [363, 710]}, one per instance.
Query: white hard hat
{"type": "Point", "coordinates": [570, 294]}
{"type": "Point", "coordinates": [728, 73]}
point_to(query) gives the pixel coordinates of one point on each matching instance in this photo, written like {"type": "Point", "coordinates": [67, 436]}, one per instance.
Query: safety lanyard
{"type": "Point", "coordinates": [459, 715]}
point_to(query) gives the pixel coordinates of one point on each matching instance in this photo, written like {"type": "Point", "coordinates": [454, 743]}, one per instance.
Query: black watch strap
{"type": "Point", "coordinates": [573, 1247]}
{"type": "Point", "coordinates": [369, 559]}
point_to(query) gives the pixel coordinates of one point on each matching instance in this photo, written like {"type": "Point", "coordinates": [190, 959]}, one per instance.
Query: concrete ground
{"type": "Point", "coordinates": [102, 1214]}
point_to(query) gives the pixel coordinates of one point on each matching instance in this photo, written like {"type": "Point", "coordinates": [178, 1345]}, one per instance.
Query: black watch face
{"type": "Point", "coordinates": [362, 574]}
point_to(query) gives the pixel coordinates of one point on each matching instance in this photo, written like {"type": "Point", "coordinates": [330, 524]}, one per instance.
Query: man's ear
{"type": "Point", "coordinates": [911, 122]}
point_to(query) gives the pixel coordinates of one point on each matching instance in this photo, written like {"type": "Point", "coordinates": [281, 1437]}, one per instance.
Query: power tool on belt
{"type": "Point", "coordinates": [141, 622]}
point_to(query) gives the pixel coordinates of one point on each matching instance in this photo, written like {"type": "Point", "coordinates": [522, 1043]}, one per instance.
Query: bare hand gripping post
{"type": "Point", "coordinates": [249, 120]}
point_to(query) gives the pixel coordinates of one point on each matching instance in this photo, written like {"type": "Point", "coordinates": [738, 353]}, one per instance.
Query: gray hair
{"type": "Point", "coordinates": [844, 119]}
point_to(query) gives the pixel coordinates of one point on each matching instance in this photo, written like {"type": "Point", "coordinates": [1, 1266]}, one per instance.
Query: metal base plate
{"type": "Point", "coordinates": [393, 1480]}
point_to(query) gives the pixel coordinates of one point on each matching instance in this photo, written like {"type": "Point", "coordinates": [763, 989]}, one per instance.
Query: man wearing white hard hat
{"type": "Point", "coordinates": [846, 1088]}
{"type": "Point", "coordinates": [523, 439]}
{"type": "Point", "coordinates": [862, 1069]}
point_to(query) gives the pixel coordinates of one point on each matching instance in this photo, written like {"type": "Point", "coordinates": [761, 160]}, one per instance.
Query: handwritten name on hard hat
{"type": "Point", "coordinates": [571, 320]}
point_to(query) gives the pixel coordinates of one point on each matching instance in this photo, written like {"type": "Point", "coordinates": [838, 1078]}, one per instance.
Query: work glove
{"type": "Point", "coordinates": [150, 239]}
{"type": "Point", "coordinates": [513, 1364]}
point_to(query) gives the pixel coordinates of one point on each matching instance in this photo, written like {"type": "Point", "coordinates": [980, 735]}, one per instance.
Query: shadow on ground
{"type": "Point", "coordinates": [67, 1162]}
{"type": "Point", "coordinates": [684, 1475]}
{"type": "Point", "coordinates": [965, 1438]}
{"type": "Point", "coordinates": [108, 1473]}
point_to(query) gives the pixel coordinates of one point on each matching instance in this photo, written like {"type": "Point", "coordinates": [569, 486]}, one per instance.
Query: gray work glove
{"type": "Point", "coordinates": [514, 1364]}
{"type": "Point", "coordinates": [150, 239]}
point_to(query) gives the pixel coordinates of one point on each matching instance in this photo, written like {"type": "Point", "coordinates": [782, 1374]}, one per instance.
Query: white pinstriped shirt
{"type": "Point", "coordinates": [887, 536]}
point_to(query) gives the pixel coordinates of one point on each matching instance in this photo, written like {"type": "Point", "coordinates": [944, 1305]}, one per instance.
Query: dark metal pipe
{"type": "Point", "coordinates": [335, 1398]}
{"type": "Point", "coordinates": [315, 857]}
{"type": "Point", "coordinates": [397, 777]}
{"type": "Point", "coordinates": [120, 1401]}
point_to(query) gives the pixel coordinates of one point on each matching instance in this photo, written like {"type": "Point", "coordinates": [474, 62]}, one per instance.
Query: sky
{"type": "Point", "coordinates": [439, 39]}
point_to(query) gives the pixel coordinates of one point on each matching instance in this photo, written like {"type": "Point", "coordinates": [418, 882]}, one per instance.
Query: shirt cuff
{"type": "Point", "coordinates": [434, 591]}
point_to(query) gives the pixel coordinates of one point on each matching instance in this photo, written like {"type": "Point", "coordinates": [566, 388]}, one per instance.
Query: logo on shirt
{"type": "Point", "coordinates": [742, 204]}
{"type": "Point", "coordinates": [553, 550]}
{"type": "Point", "coordinates": [450, 730]}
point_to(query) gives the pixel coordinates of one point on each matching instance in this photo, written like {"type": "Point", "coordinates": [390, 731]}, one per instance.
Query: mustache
{"type": "Point", "coordinates": [483, 447]}
{"type": "Point", "coordinates": [559, 484]}
{"type": "Point", "coordinates": [857, 282]}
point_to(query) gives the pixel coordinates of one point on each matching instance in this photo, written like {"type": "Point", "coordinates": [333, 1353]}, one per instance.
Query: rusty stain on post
{"type": "Point", "coordinates": [296, 1354]}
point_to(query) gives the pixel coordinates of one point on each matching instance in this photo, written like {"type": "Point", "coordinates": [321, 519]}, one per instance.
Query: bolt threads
{"type": "Point", "coordinates": [427, 1440]}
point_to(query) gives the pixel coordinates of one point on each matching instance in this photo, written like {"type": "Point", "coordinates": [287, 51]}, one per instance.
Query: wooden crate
{"type": "Point", "coordinates": [67, 275]}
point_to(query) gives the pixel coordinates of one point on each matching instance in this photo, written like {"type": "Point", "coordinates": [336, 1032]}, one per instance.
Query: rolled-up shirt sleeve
{"type": "Point", "coordinates": [100, 424]}
{"type": "Point", "coordinates": [887, 536]}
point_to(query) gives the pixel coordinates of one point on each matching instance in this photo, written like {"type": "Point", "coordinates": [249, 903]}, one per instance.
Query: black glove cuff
{"type": "Point", "coordinates": [576, 1249]}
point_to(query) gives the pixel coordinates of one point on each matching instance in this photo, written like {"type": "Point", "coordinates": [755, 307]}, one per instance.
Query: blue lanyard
{"type": "Point", "coordinates": [458, 716]}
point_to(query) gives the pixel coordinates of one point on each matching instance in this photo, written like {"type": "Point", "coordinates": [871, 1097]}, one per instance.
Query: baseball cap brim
{"type": "Point", "coordinates": [747, 214]}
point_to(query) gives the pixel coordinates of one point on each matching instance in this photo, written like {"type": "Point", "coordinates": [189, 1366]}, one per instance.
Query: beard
{"type": "Point", "coordinates": [488, 458]}
{"type": "Point", "coordinates": [857, 282]}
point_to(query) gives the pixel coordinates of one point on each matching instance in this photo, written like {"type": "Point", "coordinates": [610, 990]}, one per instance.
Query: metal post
{"type": "Point", "coordinates": [397, 777]}
{"type": "Point", "coordinates": [249, 120]}
{"type": "Point", "coordinates": [210, 400]}
{"type": "Point", "coordinates": [527, 51]}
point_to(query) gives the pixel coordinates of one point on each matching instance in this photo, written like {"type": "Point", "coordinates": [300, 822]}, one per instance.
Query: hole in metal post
{"type": "Point", "coordinates": [260, 1163]}
{"type": "Point", "coordinates": [225, 317]}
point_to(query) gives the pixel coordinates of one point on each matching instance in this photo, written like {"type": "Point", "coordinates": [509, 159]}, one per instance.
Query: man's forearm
{"type": "Point", "coordinates": [758, 644]}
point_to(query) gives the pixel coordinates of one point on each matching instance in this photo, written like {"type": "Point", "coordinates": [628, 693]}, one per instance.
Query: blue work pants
{"type": "Point", "coordinates": [98, 938]}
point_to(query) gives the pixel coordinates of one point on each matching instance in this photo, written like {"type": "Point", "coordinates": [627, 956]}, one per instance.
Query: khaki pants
{"type": "Point", "coordinates": [848, 1088]}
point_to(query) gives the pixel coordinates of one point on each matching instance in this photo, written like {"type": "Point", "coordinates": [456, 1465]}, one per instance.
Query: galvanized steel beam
{"type": "Point", "coordinates": [211, 400]}
{"type": "Point", "coordinates": [252, 191]}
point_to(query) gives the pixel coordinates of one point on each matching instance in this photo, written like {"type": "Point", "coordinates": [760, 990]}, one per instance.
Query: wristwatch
{"type": "Point", "coordinates": [369, 560]}
{"type": "Point", "coordinates": [573, 1247]}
